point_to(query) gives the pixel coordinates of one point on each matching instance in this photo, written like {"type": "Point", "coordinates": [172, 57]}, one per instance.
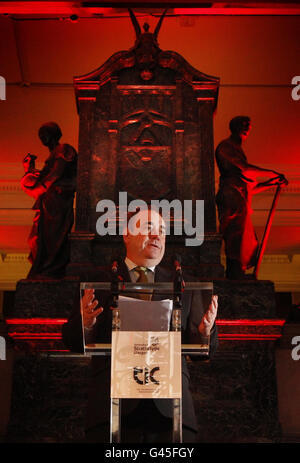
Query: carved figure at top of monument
{"type": "Point", "coordinates": [147, 63]}
{"type": "Point", "coordinates": [238, 182]}
{"type": "Point", "coordinates": [146, 46]}
{"type": "Point", "coordinates": [53, 188]}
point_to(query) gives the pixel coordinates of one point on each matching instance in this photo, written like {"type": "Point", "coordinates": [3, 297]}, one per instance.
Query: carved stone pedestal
{"type": "Point", "coordinates": [48, 398]}
{"type": "Point", "coordinates": [235, 394]}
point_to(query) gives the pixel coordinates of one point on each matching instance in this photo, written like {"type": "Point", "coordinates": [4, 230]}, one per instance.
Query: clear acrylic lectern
{"type": "Point", "coordinates": [146, 345]}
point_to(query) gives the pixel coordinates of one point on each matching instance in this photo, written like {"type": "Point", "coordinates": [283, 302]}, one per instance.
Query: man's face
{"type": "Point", "coordinates": [245, 130]}
{"type": "Point", "coordinates": [145, 238]}
{"type": "Point", "coordinates": [49, 134]}
{"type": "Point", "coordinates": [44, 136]}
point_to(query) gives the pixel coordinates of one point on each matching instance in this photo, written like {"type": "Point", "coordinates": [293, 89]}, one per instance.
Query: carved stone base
{"type": "Point", "coordinates": [48, 399]}
{"type": "Point", "coordinates": [245, 299]}
{"type": "Point", "coordinates": [234, 395]}
{"type": "Point", "coordinates": [45, 298]}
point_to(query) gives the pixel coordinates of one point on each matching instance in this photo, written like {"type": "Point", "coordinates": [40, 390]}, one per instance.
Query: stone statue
{"type": "Point", "coordinates": [238, 182]}
{"type": "Point", "coordinates": [53, 188]}
{"type": "Point", "coordinates": [146, 49]}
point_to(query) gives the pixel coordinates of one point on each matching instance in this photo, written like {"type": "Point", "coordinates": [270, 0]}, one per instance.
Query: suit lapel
{"type": "Point", "coordinates": [123, 271]}
{"type": "Point", "coordinates": [161, 275]}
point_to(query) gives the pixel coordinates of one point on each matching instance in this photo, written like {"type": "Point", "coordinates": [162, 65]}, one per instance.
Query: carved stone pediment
{"type": "Point", "coordinates": [165, 69]}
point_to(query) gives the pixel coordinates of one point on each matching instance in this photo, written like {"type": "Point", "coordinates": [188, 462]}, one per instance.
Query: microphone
{"type": "Point", "coordinates": [178, 270]}
{"type": "Point", "coordinates": [114, 270]}
{"type": "Point", "coordinates": [178, 288]}
{"type": "Point", "coordinates": [114, 267]}
{"type": "Point", "coordinates": [177, 263]}
{"type": "Point", "coordinates": [114, 288]}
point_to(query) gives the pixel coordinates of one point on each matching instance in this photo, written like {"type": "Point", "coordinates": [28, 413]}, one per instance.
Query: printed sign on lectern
{"type": "Point", "coordinates": [146, 364]}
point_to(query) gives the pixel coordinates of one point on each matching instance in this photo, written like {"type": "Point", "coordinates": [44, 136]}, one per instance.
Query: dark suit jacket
{"type": "Point", "coordinates": [99, 404]}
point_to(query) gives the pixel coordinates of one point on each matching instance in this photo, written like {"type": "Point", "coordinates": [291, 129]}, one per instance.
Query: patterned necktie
{"type": "Point", "coordinates": [143, 278]}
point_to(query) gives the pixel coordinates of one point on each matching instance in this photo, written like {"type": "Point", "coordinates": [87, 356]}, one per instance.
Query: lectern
{"type": "Point", "coordinates": [146, 352]}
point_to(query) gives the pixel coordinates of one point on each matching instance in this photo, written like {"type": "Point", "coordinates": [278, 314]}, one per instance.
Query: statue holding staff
{"type": "Point", "coordinates": [239, 180]}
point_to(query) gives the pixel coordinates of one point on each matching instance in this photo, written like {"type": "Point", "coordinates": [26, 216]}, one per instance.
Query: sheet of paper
{"type": "Point", "coordinates": [140, 315]}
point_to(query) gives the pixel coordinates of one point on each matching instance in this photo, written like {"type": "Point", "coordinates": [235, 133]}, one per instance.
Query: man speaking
{"type": "Point", "coordinates": [143, 420]}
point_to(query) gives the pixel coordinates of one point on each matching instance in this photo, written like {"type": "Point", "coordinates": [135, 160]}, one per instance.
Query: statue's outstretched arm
{"type": "Point", "coordinates": [135, 23]}
{"type": "Point", "coordinates": [157, 29]}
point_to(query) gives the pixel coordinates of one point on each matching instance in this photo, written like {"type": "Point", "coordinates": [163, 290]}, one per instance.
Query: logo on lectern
{"type": "Point", "coordinates": [145, 375]}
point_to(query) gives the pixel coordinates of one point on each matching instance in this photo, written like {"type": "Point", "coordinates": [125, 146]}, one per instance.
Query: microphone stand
{"type": "Point", "coordinates": [114, 288]}
{"type": "Point", "coordinates": [178, 288]}
{"type": "Point", "coordinates": [115, 404]}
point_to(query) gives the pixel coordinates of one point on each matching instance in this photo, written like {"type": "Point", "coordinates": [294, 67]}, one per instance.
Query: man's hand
{"type": "Point", "coordinates": [89, 310]}
{"type": "Point", "coordinates": [209, 317]}
{"type": "Point", "coordinates": [277, 179]}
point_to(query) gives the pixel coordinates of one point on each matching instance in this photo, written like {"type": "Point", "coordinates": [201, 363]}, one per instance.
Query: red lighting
{"type": "Point", "coordinates": [61, 321]}
{"type": "Point", "coordinates": [36, 321]}
{"type": "Point", "coordinates": [28, 336]}
{"type": "Point", "coordinates": [249, 330]}
{"type": "Point", "coordinates": [87, 85]}
{"type": "Point", "coordinates": [47, 8]}
{"type": "Point", "coordinates": [230, 330]}
{"type": "Point", "coordinates": [246, 322]}
{"type": "Point", "coordinates": [248, 336]}
{"type": "Point", "coordinates": [242, 11]}
{"type": "Point", "coordinates": [87, 98]}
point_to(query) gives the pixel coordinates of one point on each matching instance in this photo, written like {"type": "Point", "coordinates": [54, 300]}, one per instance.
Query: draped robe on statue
{"type": "Point", "coordinates": [48, 239]}
{"type": "Point", "coordinates": [234, 204]}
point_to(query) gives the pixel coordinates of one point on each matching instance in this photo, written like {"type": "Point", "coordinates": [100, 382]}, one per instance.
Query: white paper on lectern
{"type": "Point", "coordinates": [140, 315]}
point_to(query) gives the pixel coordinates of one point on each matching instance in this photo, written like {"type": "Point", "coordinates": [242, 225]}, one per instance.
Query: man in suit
{"type": "Point", "coordinates": [143, 420]}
